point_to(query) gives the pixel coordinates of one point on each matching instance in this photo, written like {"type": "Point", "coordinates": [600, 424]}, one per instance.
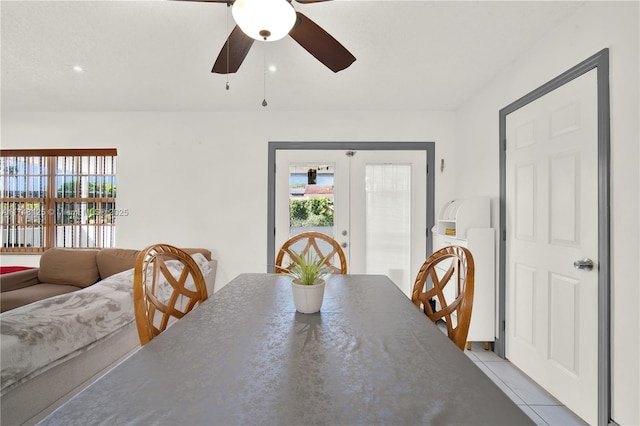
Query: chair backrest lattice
{"type": "Point", "coordinates": [167, 285]}
{"type": "Point", "coordinates": [449, 266]}
{"type": "Point", "coordinates": [318, 244]}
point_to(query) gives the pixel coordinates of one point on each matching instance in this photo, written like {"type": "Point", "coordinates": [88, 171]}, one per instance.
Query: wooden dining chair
{"type": "Point", "coordinates": [167, 284]}
{"type": "Point", "coordinates": [319, 244]}
{"type": "Point", "coordinates": [450, 266]}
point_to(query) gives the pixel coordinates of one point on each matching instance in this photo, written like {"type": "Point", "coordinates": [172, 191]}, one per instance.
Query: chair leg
{"type": "Point", "coordinates": [486, 346]}
{"type": "Point", "coordinates": [468, 346]}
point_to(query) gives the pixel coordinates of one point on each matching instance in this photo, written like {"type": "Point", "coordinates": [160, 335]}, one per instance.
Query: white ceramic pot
{"type": "Point", "coordinates": [308, 298]}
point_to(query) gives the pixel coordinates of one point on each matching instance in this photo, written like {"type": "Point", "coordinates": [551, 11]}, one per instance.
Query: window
{"type": "Point", "coordinates": [57, 198]}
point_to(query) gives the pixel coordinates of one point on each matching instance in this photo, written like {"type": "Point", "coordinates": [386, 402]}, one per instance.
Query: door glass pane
{"type": "Point", "coordinates": [388, 221]}
{"type": "Point", "coordinates": [311, 200]}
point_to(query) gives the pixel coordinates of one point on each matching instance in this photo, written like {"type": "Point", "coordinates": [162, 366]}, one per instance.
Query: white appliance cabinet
{"type": "Point", "coordinates": [466, 223]}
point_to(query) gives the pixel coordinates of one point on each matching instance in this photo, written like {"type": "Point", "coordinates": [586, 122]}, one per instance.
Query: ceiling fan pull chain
{"type": "Point", "coordinates": [227, 16]}
{"type": "Point", "coordinates": [264, 76]}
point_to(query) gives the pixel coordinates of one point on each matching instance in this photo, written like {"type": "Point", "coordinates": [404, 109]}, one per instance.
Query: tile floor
{"type": "Point", "coordinates": [543, 408]}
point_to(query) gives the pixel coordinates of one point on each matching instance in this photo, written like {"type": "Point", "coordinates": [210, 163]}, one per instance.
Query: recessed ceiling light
{"type": "Point", "coordinates": [78, 68]}
{"type": "Point", "coordinates": [273, 68]}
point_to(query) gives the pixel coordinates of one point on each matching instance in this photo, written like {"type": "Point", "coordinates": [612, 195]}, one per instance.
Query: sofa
{"type": "Point", "coordinates": [66, 323]}
{"type": "Point", "coordinates": [64, 271]}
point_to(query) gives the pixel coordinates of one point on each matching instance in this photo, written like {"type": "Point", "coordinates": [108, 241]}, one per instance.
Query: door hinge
{"type": "Point", "coordinates": [350, 153]}
{"type": "Point", "coordinates": [503, 326]}
{"type": "Point", "coordinates": [504, 144]}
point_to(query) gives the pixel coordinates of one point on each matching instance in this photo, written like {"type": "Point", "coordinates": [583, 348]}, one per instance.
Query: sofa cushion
{"type": "Point", "coordinates": [16, 298]}
{"type": "Point", "coordinates": [203, 251]}
{"type": "Point", "coordinates": [113, 260]}
{"type": "Point", "coordinates": [39, 336]}
{"type": "Point", "coordinates": [76, 267]}
{"type": "Point", "coordinates": [19, 279]}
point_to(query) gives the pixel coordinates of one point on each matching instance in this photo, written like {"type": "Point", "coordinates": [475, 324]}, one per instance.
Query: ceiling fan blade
{"type": "Point", "coordinates": [233, 52]}
{"type": "Point", "coordinates": [321, 44]}
{"type": "Point", "coordinates": [310, 1]}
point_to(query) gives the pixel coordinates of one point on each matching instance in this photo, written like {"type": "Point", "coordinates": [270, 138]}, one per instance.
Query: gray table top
{"type": "Point", "coordinates": [245, 356]}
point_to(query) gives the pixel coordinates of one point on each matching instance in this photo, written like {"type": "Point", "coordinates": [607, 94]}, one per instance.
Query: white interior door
{"type": "Point", "coordinates": [552, 222]}
{"type": "Point", "coordinates": [379, 206]}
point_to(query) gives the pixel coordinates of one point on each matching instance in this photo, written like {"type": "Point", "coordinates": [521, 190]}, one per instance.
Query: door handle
{"type": "Point", "coordinates": [586, 264]}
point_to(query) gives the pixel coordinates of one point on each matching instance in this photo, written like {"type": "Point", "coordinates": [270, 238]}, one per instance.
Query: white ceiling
{"type": "Point", "coordinates": [157, 55]}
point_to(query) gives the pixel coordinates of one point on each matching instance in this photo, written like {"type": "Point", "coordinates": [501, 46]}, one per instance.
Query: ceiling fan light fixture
{"type": "Point", "coordinates": [265, 20]}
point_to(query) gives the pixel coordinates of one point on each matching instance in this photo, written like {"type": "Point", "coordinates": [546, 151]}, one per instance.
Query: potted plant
{"type": "Point", "coordinates": [307, 284]}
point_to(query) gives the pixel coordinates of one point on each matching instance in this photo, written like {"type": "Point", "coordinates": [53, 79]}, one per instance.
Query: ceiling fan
{"type": "Point", "coordinates": [270, 20]}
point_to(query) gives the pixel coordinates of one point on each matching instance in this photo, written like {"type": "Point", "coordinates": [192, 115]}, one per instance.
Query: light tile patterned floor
{"type": "Point", "coordinates": [543, 408]}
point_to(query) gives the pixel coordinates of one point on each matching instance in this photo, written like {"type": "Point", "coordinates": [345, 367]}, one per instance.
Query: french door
{"type": "Point", "coordinates": [373, 202]}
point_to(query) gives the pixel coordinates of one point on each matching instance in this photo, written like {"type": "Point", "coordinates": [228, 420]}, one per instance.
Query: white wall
{"type": "Point", "coordinates": [200, 179]}
{"type": "Point", "coordinates": [596, 26]}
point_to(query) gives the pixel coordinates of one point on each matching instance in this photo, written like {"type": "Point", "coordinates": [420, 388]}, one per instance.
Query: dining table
{"type": "Point", "coordinates": [245, 356]}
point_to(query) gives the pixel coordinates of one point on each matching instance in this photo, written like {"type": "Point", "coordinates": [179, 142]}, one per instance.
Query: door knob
{"type": "Point", "coordinates": [586, 264]}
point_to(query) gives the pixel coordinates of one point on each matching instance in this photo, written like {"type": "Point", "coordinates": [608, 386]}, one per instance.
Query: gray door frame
{"type": "Point", "coordinates": [428, 147]}
{"type": "Point", "coordinates": [600, 62]}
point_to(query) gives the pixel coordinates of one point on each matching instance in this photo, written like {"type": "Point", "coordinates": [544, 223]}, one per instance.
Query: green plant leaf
{"type": "Point", "coordinates": [307, 268]}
